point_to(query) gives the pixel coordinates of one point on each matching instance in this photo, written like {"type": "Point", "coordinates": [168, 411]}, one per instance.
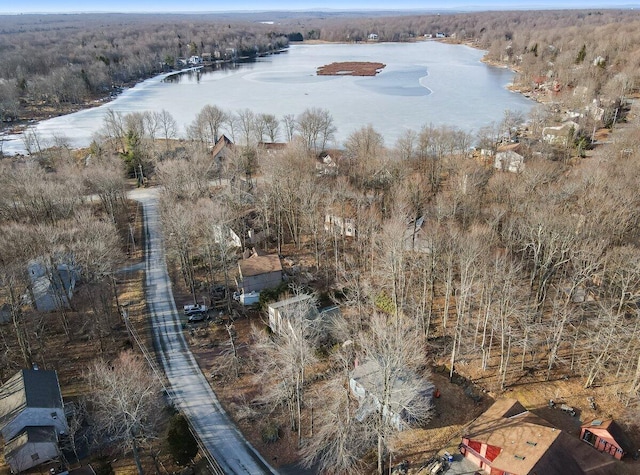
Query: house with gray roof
{"type": "Point", "coordinates": [31, 447]}
{"type": "Point", "coordinates": [31, 418]}
{"type": "Point", "coordinates": [407, 390]}
{"type": "Point", "coordinates": [51, 286]}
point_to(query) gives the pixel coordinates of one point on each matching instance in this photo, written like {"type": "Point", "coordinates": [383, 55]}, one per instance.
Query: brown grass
{"type": "Point", "coordinates": [351, 68]}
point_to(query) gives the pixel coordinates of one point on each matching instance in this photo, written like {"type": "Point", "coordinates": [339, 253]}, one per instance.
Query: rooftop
{"type": "Point", "coordinates": [529, 444]}
{"type": "Point", "coordinates": [29, 388]}
{"type": "Point", "coordinates": [258, 265]}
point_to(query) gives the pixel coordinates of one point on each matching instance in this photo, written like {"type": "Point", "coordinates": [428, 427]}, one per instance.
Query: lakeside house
{"type": "Point", "coordinates": [509, 161]}
{"type": "Point", "coordinates": [562, 134]}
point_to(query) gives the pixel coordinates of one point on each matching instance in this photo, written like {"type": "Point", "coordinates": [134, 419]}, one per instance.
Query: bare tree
{"type": "Point", "coordinates": [207, 124]}
{"type": "Point", "coordinates": [105, 177]}
{"type": "Point", "coordinates": [125, 400]}
{"type": "Point", "coordinates": [400, 392]}
{"type": "Point", "coordinates": [316, 128]}
{"type": "Point", "coordinates": [168, 127]}
{"type": "Point", "coordinates": [289, 122]}
{"type": "Point", "coordinates": [289, 354]}
{"type": "Point", "coordinates": [270, 126]}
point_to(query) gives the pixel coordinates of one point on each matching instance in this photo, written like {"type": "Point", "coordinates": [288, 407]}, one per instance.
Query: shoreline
{"type": "Point", "coordinates": [12, 131]}
{"type": "Point", "coordinates": [38, 112]}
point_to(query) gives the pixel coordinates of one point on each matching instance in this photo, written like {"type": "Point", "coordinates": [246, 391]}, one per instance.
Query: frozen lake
{"type": "Point", "coordinates": [423, 83]}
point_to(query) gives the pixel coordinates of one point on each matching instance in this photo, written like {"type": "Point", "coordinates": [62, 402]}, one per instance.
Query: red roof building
{"type": "Point", "coordinates": [508, 439]}
{"type": "Point", "coordinates": [607, 437]}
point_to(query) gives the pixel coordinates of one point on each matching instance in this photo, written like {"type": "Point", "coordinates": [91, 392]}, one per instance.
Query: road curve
{"type": "Point", "coordinates": [191, 391]}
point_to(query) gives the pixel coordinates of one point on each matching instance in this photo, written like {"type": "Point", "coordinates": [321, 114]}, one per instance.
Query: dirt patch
{"type": "Point", "coordinates": [351, 68]}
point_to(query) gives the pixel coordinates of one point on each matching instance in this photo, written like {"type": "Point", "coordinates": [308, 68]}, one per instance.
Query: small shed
{"type": "Point", "coordinates": [5, 313]}
{"type": "Point", "coordinates": [606, 436]}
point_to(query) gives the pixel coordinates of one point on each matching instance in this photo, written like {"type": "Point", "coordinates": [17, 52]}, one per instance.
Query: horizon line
{"type": "Point", "coordinates": [459, 9]}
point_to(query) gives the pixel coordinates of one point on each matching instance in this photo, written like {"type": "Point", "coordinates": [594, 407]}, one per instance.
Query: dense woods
{"type": "Point", "coordinates": [452, 264]}
{"type": "Point", "coordinates": [61, 61]}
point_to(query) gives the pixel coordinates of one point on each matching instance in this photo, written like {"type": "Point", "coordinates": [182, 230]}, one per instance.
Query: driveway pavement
{"type": "Point", "coordinates": [189, 388]}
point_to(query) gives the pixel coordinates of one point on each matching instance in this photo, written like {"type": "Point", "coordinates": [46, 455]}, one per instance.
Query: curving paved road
{"type": "Point", "coordinates": [192, 394]}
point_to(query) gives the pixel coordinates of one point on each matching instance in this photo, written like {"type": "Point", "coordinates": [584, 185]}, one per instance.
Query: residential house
{"type": "Point", "coordinates": [222, 233]}
{"type": "Point", "coordinates": [326, 166]}
{"type": "Point", "coordinates": [367, 385]}
{"type": "Point", "coordinates": [258, 272]}
{"type": "Point", "coordinates": [271, 149]}
{"type": "Point", "coordinates": [607, 437]}
{"type": "Point", "coordinates": [595, 111]}
{"type": "Point", "coordinates": [509, 161]}
{"type": "Point", "coordinates": [416, 239]}
{"type": "Point", "coordinates": [508, 439]}
{"type": "Point", "coordinates": [51, 288]}
{"type": "Point", "coordinates": [31, 418]}
{"type": "Point", "coordinates": [341, 219]}
{"type": "Point", "coordinates": [221, 149]}
{"type": "Point", "coordinates": [283, 315]}
{"type": "Point", "coordinates": [560, 135]}
{"type": "Point", "coordinates": [373, 37]}
{"type": "Point", "coordinates": [31, 447]}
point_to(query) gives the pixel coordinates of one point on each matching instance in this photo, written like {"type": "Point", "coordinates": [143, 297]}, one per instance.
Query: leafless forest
{"type": "Point", "coordinates": [503, 278]}
{"type": "Point", "coordinates": [57, 62]}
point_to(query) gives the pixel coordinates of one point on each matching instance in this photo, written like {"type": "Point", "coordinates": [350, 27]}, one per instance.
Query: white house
{"type": "Point", "coordinates": [341, 219]}
{"type": "Point", "coordinates": [509, 161]}
{"type": "Point", "coordinates": [31, 418]}
{"type": "Point", "coordinates": [561, 134]}
{"type": "Point", "coordinates": [373, 37]}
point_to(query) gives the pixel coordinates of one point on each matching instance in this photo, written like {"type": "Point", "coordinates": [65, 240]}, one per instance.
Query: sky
{"type": "Point", "coordinates": [68, 6]}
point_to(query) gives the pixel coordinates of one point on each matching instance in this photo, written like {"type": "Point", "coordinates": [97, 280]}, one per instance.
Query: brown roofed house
{"type": "Point", "coordinates": [607, 437]}
{"type": "Point", "coordinates": [258, 272]}
{"type": "Point", "coordinates": [507, 438]}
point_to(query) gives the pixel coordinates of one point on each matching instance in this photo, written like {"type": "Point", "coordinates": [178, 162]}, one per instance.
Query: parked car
{"type": "Point", "coordinates": [198, 317]}
{"type": "Point", "coordinates": [195, 308]}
